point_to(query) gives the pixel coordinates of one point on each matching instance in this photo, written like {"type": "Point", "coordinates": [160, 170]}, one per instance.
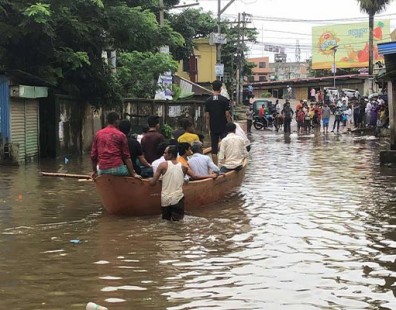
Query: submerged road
{"type": "Point", "coordinates": [312, 227]}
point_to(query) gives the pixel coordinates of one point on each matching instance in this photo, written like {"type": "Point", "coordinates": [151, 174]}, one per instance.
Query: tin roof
{"type": "Point", "coordinates": [387, 48]}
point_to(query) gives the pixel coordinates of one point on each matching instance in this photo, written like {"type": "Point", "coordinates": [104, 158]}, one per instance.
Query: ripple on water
{"type": "Point", "coordinates": [312, 227]}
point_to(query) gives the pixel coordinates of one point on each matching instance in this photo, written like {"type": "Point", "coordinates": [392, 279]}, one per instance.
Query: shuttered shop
{"type": "Point", "coordinates": [31, 126]}
{"type": "Point", "coordinates": [24, 128]}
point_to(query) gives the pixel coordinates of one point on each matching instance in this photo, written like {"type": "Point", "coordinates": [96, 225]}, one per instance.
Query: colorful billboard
{"type": "Point", "coordinates": [351, 42]}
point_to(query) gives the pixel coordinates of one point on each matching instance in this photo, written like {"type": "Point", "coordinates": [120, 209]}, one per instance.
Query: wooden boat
{"type": "Point", "coordinates": [134, 197]}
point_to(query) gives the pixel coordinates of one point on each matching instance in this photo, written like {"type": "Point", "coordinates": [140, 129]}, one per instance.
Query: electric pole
{"type": "Point", "coordinates": [240, 56]}
{"type": "Point", "coordinates": [219, 12]}
{"type": "Point", "coordinates": [161, 15]}
{"type": "Point", "coordinates": [238, 70]}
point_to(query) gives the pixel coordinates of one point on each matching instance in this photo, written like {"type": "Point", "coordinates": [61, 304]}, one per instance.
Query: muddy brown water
{"type": "Point", "coordinates": [312, 227]}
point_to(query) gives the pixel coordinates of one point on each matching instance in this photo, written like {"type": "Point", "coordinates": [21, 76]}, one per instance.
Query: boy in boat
{"type": "Point", "coordinates": [172, 196]}
{"type": "Point", "coordinates": [110, 151]}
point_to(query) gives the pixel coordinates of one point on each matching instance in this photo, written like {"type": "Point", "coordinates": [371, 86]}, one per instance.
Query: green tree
{"type": "Point", "coordinates": [234, 49]}
{"type": "Point", "coordinates": [372, 7]}
{"type": "Point", "coordinates": [62, 41]}
{"type": "Point", "coordinates": [138, 72]}
{"type": "Point", "coordinates": [191, 24]}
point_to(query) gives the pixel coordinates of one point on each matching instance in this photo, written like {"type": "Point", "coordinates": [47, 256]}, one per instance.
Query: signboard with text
{"type": "Point", "coordinates": [351, 42]}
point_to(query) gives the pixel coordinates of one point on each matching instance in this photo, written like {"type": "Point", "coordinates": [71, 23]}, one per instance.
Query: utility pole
{"type": "Point", "coordinates": [219, 12]}
{"type": "Point", "coordinates": [240, 56]}
{"type": "Point", "coordinates": [238, 71]}
{"type": "Point", "coordinates": [161, 15]}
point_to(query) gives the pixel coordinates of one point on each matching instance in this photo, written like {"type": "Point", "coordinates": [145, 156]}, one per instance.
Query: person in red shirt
{"type": "Point", "coordinates": [109, 152]}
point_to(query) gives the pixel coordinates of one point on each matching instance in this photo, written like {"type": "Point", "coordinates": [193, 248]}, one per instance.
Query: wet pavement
{"type": "Point", "coordinates": [312, 227]}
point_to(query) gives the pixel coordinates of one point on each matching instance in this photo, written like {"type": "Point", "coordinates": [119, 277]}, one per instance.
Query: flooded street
{"type": "Point", "coordinates": [312, 227]}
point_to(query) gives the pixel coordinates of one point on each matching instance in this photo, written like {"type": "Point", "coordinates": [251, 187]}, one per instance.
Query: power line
{"type": "Point", "coordinates": [299, 20]}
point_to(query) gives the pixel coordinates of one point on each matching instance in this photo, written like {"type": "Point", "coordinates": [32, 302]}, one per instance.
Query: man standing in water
{"type": "Point", "coordinates": [217, 114]}
{"type": "Point", "coordinates": [287, 114]}
{"type": "Point", "coordinates": [172, 196]}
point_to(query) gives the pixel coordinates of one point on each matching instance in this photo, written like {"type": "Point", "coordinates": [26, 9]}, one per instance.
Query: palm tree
{"type": "Point", "coordinates": [372, 7]}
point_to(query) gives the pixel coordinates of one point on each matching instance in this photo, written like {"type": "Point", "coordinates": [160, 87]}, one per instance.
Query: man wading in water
{"type": "Point", "coordinates": [172, 196]}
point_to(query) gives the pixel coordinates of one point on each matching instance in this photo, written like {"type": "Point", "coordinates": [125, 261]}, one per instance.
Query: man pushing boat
{"type": "Point", "coordinates": [172, 196]}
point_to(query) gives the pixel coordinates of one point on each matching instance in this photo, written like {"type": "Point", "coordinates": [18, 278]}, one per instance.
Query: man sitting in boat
{"type": "Point", "coordinates": [184, 152]}
{"type": "Point", "coordinates": [172, 196]}
{"type": "Point", "coordinates": [232, 150]}
{"type": "Point", "coordinates": [152, 139]}
{"type": "Point", "coordinates": [189, 135]}
{"type": "Point", "coordinates": [109, 152]}
{"type": "Point", "coordinates": [199, 163]}
{"type": "Point", "coordinates": [139, 163]}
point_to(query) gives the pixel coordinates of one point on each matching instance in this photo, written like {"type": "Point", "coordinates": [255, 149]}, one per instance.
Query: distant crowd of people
{"type": "Point", "coordinates": [315, 114]}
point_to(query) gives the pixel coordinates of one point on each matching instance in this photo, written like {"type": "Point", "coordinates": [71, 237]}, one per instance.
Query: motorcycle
{"type": "Point", "coordinates": [260, 122]}
{"type": "Point", "coordinates": [273, 120]}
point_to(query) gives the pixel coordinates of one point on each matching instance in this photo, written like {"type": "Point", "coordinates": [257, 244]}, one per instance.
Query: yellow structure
{"type": "Point", "coordinates": [200, 68]}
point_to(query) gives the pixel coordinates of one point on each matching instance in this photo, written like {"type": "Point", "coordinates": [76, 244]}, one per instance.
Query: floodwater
{"type": "Point", "coordinates": [312, 227]}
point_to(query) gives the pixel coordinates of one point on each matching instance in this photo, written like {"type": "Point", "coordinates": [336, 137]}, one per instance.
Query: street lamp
{"type": "Point", "coordinates": [334, 48]}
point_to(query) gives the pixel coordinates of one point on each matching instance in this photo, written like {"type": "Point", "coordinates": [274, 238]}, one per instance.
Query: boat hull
{"type": "Point", "coordinates": [134, 197]}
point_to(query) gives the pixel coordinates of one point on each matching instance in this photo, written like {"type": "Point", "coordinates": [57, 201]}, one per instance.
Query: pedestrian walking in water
{"type": "Point", "coordinates": [337, 118]}
{"type": "Point", "coordinates": [249, 115]}
{"type": "Point", "coordinates": [287, 114]}
{"type": "Point", "coordinates": [326, 111]}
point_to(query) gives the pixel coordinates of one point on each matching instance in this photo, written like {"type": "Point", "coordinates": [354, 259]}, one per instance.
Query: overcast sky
{"type": "Point", "coordinates": [287, 32]}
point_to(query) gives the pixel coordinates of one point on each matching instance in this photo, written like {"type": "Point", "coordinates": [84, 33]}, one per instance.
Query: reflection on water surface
{"type": "Point", "coordinates": [312, 227]}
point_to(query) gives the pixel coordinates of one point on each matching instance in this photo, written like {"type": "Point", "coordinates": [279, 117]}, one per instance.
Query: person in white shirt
{"type": "Point", "coordinates": [357, 94]}
{"type": "Point", "coordinates": [232, 150]}
{"type": "Point", "coordinates": [239, 132]}
{"type": "Point", "coordinates": [172, 196]}
{"type": "Point", "coordinates": [160, 151]}
{"type": "Point", "coordinates": [368, 111]}
{"type": "Point", "coordinates": [313, 93]}
{"type": "Point", "coordinates": [345, 97]}
{"type": "Point", "coordinates": [348, 114]}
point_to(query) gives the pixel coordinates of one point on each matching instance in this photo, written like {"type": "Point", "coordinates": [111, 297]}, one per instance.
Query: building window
{"type": "Point", "coordinates": [261, 64]}
{"type": "Point", "coordinates": [262, 78]}
{"type": "Point", "coordinates": [186, 65]}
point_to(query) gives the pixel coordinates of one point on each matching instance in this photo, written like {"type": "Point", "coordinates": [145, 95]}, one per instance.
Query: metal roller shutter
{"type": "Point", "coordinates": [31, 127]}
{"type": "Point", "coordinates": [17, 111]}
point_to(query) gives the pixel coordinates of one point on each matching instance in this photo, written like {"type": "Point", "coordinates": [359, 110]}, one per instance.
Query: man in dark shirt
{"type": "Point", "coordinates": [217, 114]}
{"type": "Point", "coordinates": [140, 164]}
{"type": "Point", "coordinates": [152, 139]}
{"type": "Point", "coordinates": [110, 151]}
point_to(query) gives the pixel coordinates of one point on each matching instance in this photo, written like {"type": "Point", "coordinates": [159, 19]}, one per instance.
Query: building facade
{"type": "Point", "coordinates": [261, 72]}
{"type": "Point", "coordinates": [281, 71]}
{"type": "Point", "coordinates": [201, 66]}
{"type": "Point", "coordinates": [19, 117]}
